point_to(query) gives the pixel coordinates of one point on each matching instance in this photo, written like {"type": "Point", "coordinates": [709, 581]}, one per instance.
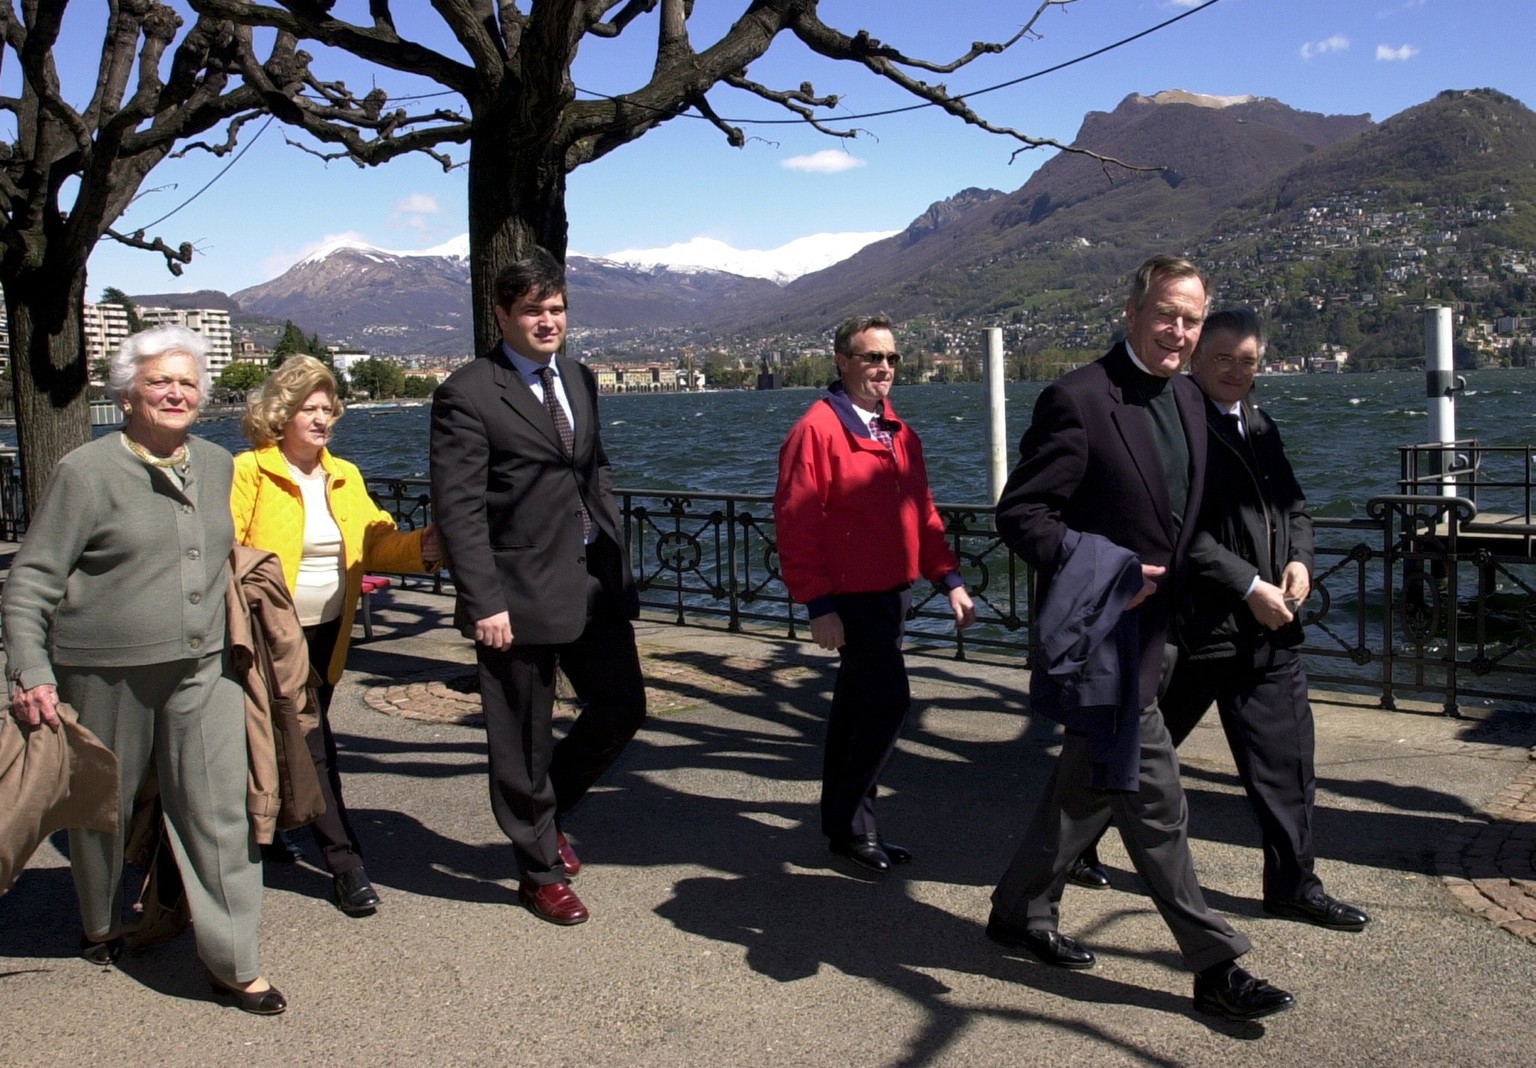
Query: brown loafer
{"type": "Point", "coordinates": [555, 902]}
{"type": "Point", "coordinates": [568, 855]}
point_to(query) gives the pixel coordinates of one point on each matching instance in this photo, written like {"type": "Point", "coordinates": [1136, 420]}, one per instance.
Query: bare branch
{"type": "Point", "coordinates": [174, 257]}
{"type": "Point", "coordinates": [868, 47]}
{"type": "Point", "coordinates": [632, 10]}
{"type": "Point", "coordinates": [800, 101]}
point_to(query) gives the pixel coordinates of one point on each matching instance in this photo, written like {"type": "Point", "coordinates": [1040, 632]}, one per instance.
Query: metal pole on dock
{"type": "Point", "coordinates": [1441, 385]}
{"type": "Point", "coordinates": [997, 415]}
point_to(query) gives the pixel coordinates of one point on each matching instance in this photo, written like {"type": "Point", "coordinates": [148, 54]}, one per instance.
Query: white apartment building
{"type": "Point", "coordinates": [212, 323]}
{"type": "Point", "coordinates": [104, 326]}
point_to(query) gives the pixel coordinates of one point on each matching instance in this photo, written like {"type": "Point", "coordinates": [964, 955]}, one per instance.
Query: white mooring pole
{"type": "Point", "coordinates": [1441, 386]}
{"type": "Point", "coordinates": [997, 416]}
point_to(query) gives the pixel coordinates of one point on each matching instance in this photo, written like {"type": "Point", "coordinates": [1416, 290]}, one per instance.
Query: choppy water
{"type": "Point", "coordinates": [1341, 431]}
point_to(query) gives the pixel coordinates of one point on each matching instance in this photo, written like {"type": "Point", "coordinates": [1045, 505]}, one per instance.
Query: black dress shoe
{"type": "Point", "coordinates": [864, 850]}
{"type": "Point", "coordinates": [1237, 995]}
{"type": "Point", "coordinates": [281, 850]}
{"type": "Point", "coordinates": [1087, 872]}
{"type": "Point", "coordinates": [1322, 910]}
{"type": "Point", "coordinates": [102, 953]}
{"type": "Point", "coordinates": [268, 1002]}
{"type": "Point", "coordinates": [895, 853]}
{"type": "Point", "coordinates": [1051, 947]}
{"type": "Point", "coordinates": [354, 894]}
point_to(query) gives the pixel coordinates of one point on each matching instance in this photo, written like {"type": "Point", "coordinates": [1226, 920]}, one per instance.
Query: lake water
{"type": "Point", "coordinates": [1341, 431]}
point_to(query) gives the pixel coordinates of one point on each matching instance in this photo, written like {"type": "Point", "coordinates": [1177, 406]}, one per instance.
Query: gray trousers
{"type": "Point", "coordinates": [1154, 823]}
{"type": "Point", "coordinates": [186, 717]}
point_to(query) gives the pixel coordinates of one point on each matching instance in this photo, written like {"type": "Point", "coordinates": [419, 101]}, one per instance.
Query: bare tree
{"type": "Point", "coordinates": [69, 173]}
{"type": "Point", "coordinates": [526, 129]}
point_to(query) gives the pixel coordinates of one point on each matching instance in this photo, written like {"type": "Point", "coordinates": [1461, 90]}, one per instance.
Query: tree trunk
{"type": "Point", "coordinates": [516, 203]}
{"type": "Point", "coordinates": [48, 371]}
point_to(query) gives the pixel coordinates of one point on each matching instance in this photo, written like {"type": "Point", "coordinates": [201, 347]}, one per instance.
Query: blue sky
{"type": "Point", "coordinates": [682, 181]}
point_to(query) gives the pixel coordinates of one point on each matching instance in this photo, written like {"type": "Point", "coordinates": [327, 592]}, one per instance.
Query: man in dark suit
{"type": "Point", "coordinates": [522, 493]}
{"type": "Point", "coordinates": [1117, 449]}
{"type": "Point", "coordinates": [1252, 558]}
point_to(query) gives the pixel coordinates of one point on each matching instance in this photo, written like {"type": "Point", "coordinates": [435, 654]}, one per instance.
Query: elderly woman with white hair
{"type": "Point", "coordinates": [115, 604]}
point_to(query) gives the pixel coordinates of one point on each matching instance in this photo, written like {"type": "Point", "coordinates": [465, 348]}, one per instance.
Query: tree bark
{"type": "Point", "coordinates": [48, 370]}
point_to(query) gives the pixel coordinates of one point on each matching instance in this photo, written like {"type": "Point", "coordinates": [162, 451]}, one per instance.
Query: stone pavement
{"type": "Point", "coordinates": [723, 933]}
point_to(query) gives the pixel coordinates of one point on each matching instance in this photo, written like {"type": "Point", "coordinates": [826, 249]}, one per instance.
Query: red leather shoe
{"type": "Point", "coordinates": [568, 856]}
{"type": "Point", "coordinates": [555, 902]}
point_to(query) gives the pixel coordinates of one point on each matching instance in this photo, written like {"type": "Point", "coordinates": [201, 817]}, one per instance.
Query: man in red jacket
{"type": "Point", "coordinates": [856, 527]}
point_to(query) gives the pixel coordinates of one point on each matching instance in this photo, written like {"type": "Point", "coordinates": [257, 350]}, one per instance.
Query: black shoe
{"type": "Point", "coordinates": [1237, 995]}
{"type": "Point", "coordinates": [354, 894]}
{"type": "Point", "coordinates": [1051, 947]}
{"type": "Point", "coordinates": [1322, 910]}
{"type": "Point", "coordinates": [102, 953]}
{"type": "Point", "coordinates": [895, 853]}
{"type": "Point", "coordinates": [864, 850]}
{"type": "Point", "coordinates": [1087, 872]}
{"type": "Point", "coordinates": [281, 850]}
{"type": "Point", "coordinates": [268, 1002]}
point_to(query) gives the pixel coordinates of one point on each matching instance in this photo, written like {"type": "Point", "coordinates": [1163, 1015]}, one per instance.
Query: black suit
{"type": "Point", "coordinates": [1253, 523]}
{"type": "Point", "coordinates": [1091, 461]}
{"type": "Point", "coordinates": [507, 501]}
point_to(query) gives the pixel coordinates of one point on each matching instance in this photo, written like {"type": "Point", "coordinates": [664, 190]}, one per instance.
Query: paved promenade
{"type": "Point", "coordinates": [723, 933]}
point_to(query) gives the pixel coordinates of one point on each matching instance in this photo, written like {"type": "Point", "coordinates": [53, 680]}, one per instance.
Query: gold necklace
{"type": "Point", "coordinates": [175, 459]}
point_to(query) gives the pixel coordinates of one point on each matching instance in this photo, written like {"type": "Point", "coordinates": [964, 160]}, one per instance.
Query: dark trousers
{"type": "Point", "coordinates": [1268, 722]}
{"type": "Point", "coordinates": [535, 781]}
{"type": "Point", "coordinates": [869, 705]}
{"type": "Point", "coordinates": [1153, 821]}
{"type": "Point", "coordinates": [333, 828]}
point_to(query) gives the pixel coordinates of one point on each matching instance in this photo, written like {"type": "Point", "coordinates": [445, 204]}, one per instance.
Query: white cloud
{"type": "Point", "coordinates": [827, 161]}
{"type": "Point", "coordinates": [1184, 3]}
{"type": "Point", "coordinates": [414, 212]}
{"type": "Point", "coordinates": [1388, 53]}
{"type": "Point", "coordinates": [1337, 43]}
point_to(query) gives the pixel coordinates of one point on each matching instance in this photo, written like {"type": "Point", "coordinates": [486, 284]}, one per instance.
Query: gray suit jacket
{"type": "Point", "coordinates": [505, 498]}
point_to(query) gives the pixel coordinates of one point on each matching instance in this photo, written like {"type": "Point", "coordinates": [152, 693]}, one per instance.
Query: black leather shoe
{"type": "Point", "coordinates": [268, 1002]}
{"type": "Point", "coordinates": [281, 850]}
{"type": "Point", "coordinates": [895, 853]}
{"type": "Point", "coordinates": [1087, 872]}
{"type": "Point", "coordinates": [1237, 995]}
{"type": "Point", "coordinates": [1322, 910]}
{"type": "Point", "coordinates": [864, 850]}
{"type": "Point", "coordinates": [102, 953]}
{"type": "Point", "coordinates": [354, 894]}
{"type": "Point", "coordinates": [1050, 947]}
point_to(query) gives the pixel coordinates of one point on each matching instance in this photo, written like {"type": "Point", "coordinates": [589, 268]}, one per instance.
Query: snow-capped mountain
{"type": "Point", "coordinates": [784, 264]}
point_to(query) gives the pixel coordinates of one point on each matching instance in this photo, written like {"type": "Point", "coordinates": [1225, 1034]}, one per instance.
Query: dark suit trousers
{"type": "Point", "coordinates": [1154, 824]}
{"type": "Point", "coordinates": [1268, 722]}
{"type": "Point", "coordinates": [869, 704]}
{"type": "Point", "coordinates": [534, 780]}
{"type": "Point", "coordinates": [332, 828]}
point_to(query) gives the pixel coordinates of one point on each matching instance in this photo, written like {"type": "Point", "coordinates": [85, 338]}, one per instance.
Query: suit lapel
{"type": "Point", "coordinates": [1135, 427]}
{"type": "Point", "coordinates": [517, 395]}
{"type": "Point", "coordinates": [1192, 408]}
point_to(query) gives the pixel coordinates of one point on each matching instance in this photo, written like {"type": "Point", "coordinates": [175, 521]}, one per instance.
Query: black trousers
{"type": "Point", "coordinates": [333, 832]}
{"type": "Point", "coordinates": [534, 780]}
{"type": "Point", "coordinates": [869, 705]}
{"type": "Point", "coordinates": [1267, 718]}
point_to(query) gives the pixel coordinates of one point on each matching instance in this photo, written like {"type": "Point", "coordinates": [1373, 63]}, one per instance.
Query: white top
{"type": "Point", "coordinates": [319, 589]}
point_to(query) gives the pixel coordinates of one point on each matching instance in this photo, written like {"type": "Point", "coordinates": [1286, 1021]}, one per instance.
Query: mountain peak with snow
{"type": "Point", "coordinates": [782, 265]}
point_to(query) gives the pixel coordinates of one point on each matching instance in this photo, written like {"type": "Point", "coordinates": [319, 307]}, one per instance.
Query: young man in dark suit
{"type": "Point", "coordinates": [1117, 449]}
{"type": "Point", "coordinates": [522, 494]}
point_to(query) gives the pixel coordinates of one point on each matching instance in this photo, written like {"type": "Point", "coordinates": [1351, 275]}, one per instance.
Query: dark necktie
{"type": "Point", "coordinates": [1237, 425]}
{"type": "Point", "coordinates": [567, 435]}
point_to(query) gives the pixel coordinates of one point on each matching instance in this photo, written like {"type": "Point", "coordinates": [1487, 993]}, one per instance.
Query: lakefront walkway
{"type": "Point", "coordinates": [723, 933]}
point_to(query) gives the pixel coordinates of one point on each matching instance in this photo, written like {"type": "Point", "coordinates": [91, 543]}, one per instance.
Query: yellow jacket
{"type": "Point", "coordinates": [269, 514]}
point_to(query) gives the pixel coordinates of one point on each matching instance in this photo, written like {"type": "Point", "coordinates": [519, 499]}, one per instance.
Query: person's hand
{"type": "Point", "coordinates": [431, 548]}
{"type": "Point", "coordinates": [1150, 573]}
{"type": "Point", "coordinates": [960, 604]}
{"type": "Point", "coordinates": [1296, 583]}
{"type": "Point", "coordinates": [38, 705]}
{"type": "Point", "coordinates": [494, 631]}
{"type": "Point", "coordinates": [827, 631]}
{"type": "Point", "coordinates": [1267, 603]}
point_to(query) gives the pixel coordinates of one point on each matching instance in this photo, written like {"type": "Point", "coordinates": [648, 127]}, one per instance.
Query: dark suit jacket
{"type": "Point", "coordinates": [1089, 462]}
{"type": "Point", "coordinates": [1254, 521]}
{"type": "Point", "coordinates": [505, 498]}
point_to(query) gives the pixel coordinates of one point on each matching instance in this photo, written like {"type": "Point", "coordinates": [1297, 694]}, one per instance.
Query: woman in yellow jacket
{"type": "Point", "coordinates": [291, 496]}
